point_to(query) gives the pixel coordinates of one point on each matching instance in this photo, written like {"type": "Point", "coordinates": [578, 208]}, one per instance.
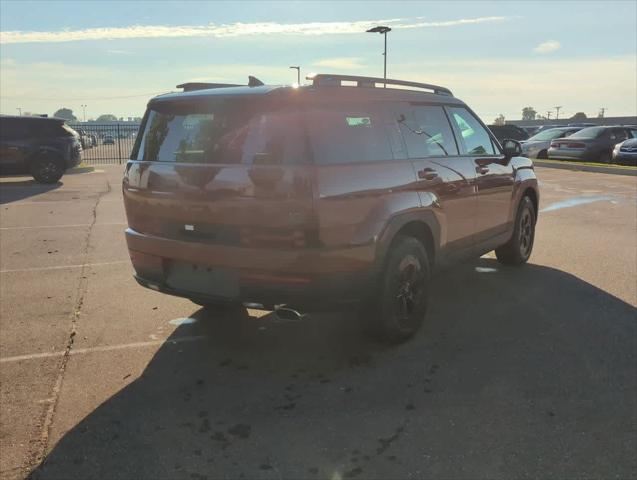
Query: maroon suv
{"type": "Point", "coordinates": [346, 191]}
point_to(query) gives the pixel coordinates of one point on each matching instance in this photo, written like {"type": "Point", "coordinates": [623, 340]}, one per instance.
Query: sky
{"type": "Point", "coordinates": [499, 57]}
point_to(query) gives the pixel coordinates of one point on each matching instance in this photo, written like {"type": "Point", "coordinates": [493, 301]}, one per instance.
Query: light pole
{"type": "Point", "coordinates": [382, 30]}
{"type": "Point", "coordinates": [557, 112]}
{"type": "Point", "coordinates": [298, 74]}
{"type": "Point", "coordinates": [19, 110]}
{"type": "Point", "coordinates": [84, 108]}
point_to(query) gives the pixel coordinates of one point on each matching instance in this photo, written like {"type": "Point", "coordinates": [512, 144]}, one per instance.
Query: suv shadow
{"type": "Point", "coordinates": [536, 375]}
{"type": "Point", "coordinates": [15, 190]}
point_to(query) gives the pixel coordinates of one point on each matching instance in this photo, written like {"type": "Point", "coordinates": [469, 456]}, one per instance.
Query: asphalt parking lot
{"type": "Point", "coordinates": [518, 372]}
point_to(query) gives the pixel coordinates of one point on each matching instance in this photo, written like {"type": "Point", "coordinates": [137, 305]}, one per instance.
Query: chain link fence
{"type": "Point", "coordinates": [106, 143]}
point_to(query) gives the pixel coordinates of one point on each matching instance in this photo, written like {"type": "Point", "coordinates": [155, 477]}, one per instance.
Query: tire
{"type": "Point", "coordinates": [400, 304]}
{"type": "Point", "coordinates": [605, 157]}
{"type": "Point", "coordinates": [47, 168]}
{"type": "Point", "coordinates": [518, 249]}
{"type": "Point", "coordinates": [543, 154]}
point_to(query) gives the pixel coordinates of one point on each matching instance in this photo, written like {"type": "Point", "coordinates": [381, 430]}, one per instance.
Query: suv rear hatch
{"type": "Point", "coordinates": [221, 170]}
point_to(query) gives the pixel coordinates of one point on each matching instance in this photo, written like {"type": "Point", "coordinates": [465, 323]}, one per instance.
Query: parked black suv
{"type": "Point", "coordinates": [513, 132]}
{"type": "Point", "coordinates": [42, 147]}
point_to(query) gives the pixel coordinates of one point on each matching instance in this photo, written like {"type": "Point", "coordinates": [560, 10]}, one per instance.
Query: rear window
{"type": "Point", "coordinates": [590, 132]}
{"type": "Point", "coordinates": [551, 134]}
{"type": "Point", "coordinates": [348, 133]}
{"type": "Point", "coordinates": [222, 133]}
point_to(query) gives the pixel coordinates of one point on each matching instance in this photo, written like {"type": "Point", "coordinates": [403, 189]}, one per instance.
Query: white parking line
{"type": "Point", "coordinates": [60, 226]}
{"type": "Point", "coordinates": [60, 267]}
{"type": "Point", "coordinates": [106, 348]}
{"type": "Point", "coordinates": [55, 202]}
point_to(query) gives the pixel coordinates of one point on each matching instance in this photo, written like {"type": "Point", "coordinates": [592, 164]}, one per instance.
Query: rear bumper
{"type": "Point", "coordinates": [625, 158]}
{"type": "Point", "coordinates": [569, 154]}
{"type": "Point", "coordinates": [585, 155]}
{"type": "Point", "coordinates": [308, 279]}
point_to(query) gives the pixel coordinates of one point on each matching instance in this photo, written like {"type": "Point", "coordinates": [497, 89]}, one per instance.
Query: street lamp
{"type": "Point", "coordinates": [382, 30]}
{"type": "Point", "coordinates": [84, 108]}
{"type": "Point", "coordinates": [298, 74]}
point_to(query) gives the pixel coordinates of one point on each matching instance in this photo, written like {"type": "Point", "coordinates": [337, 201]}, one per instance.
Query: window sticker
{"type": "Point", "coordinates": [466, 130]}
{"type": "Point", "coordinates": [359, 121]}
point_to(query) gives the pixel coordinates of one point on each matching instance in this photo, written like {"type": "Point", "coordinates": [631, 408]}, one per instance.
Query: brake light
{"type": "Point", "coordinates": [555, 145]}
{"type": "Point", "coordinates": [575, 145]}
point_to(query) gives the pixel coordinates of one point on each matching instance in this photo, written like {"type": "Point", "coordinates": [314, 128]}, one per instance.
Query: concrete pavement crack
{"type": "Point", "coordinates": [40, 444]}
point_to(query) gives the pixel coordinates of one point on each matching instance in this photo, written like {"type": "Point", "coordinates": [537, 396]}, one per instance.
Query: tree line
{"type": "Point", "coordinates": [68, 115]}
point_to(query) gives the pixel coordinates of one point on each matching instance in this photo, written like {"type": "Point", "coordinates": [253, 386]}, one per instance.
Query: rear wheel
{"type": "Point", "coordinates": [518, 249]}
{"type": "Point", "coordinates": [47, 169]}
{"type": "Point", "coordinates": [400, 305]}
{"type": "Point", "coordinates": [605, 157]}
{"type": "Point", "coordinates": [543, 154]}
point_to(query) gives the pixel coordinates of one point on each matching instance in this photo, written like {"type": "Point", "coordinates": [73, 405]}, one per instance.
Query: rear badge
{"type": "Point", "coordinates": [189, 228]}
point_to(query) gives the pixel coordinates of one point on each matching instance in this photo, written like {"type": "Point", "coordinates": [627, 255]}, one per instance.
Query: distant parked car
{"type": "Point", "coordinates": [625, 153]}
{"type": "Point", "coordinates": [537, 146]}
{"type": "Point", "coordinates": [512, 132]}
{"type": "Point", "coordinates": [85, 139]}
{"type": "Point", "coordinates": [108, 140]}
{"type": "Point", "coordinates": [546, 127]}
{"type": "Point", "coordinates": [531, 130]}
{"type": "Point", "coordinates": [42, 147]}
{"type": "Point", "coordinates": [583, 125]}
{"type": "Point", "coordinates": [592, 144]}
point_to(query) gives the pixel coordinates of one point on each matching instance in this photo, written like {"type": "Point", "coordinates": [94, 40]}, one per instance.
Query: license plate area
{"type": "Point", "coordinates": [218, 282]}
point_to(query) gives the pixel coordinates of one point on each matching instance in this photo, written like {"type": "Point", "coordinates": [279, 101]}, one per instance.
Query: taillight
{"type": "Point", "coordinates": [575, 145]}
{"type": "Point", "coordinates": [555, 145]}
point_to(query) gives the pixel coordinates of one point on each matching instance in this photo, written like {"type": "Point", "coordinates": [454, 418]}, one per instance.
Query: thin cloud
{"type": "Point", "coordinates": [548, 46]}
{"type": "Point", "coordinates": [229, 30]}
{"type": "Point", "coordinates": [118, 52]}
{"type": "Point", "coordinates": [342, 63]}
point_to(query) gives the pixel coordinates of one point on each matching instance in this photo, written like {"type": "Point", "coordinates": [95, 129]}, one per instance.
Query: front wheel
{"type": "Point", "coordinates": [400, 305]}
{"type": "Point", "coordinates": [518, 249]}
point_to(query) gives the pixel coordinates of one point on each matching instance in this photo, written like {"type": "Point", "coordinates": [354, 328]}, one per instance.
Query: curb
{"type": "Point", "coordinates": [579, 167]}
{"type": "Point", "coordinates": [79, 169]}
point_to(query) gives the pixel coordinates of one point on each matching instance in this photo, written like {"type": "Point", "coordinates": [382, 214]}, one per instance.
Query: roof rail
{"type": "Point", "coordinates": [190, 86]}
{"type": "Point", "coordinates": [333, 80]}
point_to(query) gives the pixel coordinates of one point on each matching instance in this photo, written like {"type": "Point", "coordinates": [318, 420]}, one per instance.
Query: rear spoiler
{"type": "Point", "coordinates": [191, 86]}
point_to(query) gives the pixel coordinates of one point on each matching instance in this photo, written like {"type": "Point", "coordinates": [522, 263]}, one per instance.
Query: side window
{"type": "Point", "coordinates": [473, 138]}
{"type": "Point", "coordinates": [633, 133]}
{"type": "Point", "coordinates": [427, 132]}
{"type": "Point", "coordinates": [618, 134]}
{"type": "Point", "coordinates": [347, 133]}
{"type": "Point", "coordinates": [275, 138]}
{"type": "Point", "coordinates": [12, 130]}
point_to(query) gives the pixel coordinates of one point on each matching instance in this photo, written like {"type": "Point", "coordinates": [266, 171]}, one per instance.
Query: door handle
{"type": "Point", "coordinates": [427, 174]}
{"type": "Point", "coordinates": [482, 169]}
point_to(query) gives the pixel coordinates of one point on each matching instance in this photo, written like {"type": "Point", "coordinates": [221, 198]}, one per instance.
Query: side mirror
{"type": "Point", "coordinates": [511, 148]}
